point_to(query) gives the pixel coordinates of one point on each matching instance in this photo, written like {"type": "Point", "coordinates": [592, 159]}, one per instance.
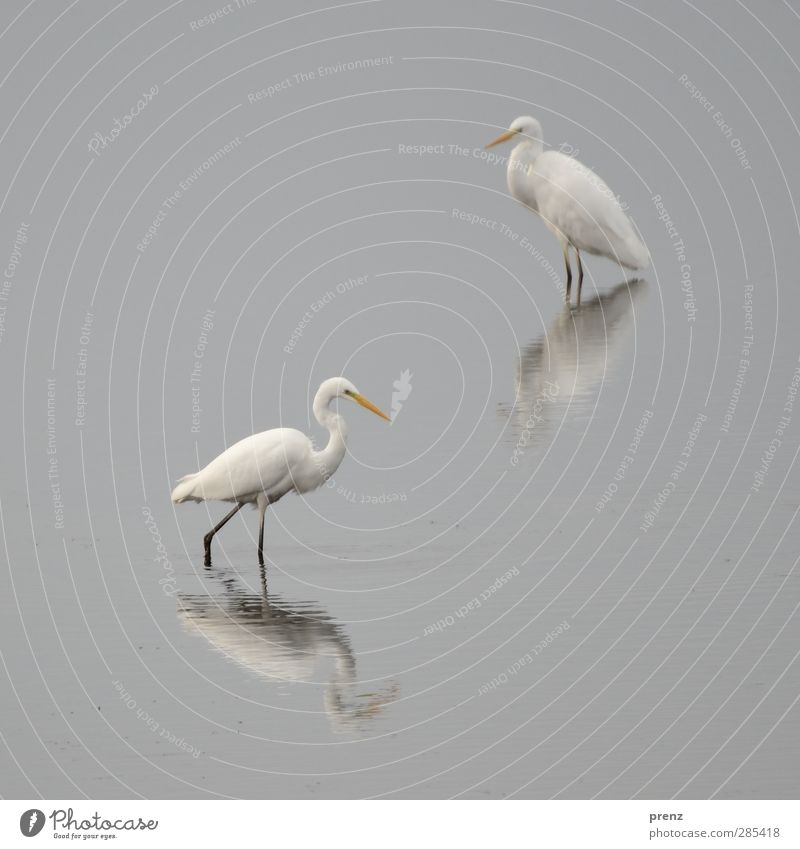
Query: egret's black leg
{"type": "Point", "coordinates": [569, 270]}
{"type": "Point", "coordinates": [262, 572]}
{"type": "Point", "coordinates": [580, 275]}
{"type": "Point", "coordinates": [261, 539]}
{"type": "Point", "coordinates": [210, 535]}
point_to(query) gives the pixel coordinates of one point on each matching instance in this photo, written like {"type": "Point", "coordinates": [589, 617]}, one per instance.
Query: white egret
{"type": "Point", "coordinates": [262, 468]}
{"type": "Point", "coordinates": [574, 203]}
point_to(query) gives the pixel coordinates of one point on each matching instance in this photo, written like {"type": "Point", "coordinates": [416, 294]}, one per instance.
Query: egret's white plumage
{"type": "Point", "coordinates": [575, 204]}
{"type": "Point", "coordinates": [262, 468]}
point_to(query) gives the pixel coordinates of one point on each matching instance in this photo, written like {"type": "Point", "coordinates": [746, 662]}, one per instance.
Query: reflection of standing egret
{"type": "Point", "coordinates": [575, 204]}
{"type": "Point", "coordinates": [285, 642]}
{"type": "Point", "coordinates": [568, 363]}
{"type": "Point", "coordinates": [262, 468]}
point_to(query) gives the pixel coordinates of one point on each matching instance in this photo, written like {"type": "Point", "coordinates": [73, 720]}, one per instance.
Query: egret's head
{"type": "Point", "coordinates": [341, 387]}
{"type": "Point", "coordinates": [527, 128]}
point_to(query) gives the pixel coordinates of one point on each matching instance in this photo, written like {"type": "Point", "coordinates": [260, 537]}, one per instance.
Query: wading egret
{"type": "Point", "coordinates": [262, 468]}
{"type": "Point", "coordinates": [574, 203]}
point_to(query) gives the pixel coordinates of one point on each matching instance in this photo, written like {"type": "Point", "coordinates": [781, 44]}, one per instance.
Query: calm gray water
{"type": "Point", "coordinates": [567, 569]}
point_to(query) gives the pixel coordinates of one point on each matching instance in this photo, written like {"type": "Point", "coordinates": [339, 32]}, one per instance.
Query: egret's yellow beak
{"type": "Point", "coordinates": [360, 399]}
{"type": "Point", "coordinates": [503, 137]}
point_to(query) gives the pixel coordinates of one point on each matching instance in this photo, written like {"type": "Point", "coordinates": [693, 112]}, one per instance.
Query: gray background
{"type": "Point", "coordinates": [130, 670]}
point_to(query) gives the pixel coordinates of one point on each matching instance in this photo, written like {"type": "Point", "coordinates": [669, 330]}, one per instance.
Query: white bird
{"type": "Point", "coordinates": [262, 468]}
{"type": "Point", "coordinates": [575, 204]}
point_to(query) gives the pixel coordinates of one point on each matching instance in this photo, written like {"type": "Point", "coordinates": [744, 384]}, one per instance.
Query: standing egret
{"type": "Point", "coordinates": [574, 203]}
{"type": "Point", "coordinates": [262, 468]}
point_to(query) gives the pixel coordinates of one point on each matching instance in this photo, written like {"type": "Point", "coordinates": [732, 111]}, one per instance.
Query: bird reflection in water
{"type": "Point", "coordinates": [567, 365]}
{"type": "Point", "coordinates": [285, 642]}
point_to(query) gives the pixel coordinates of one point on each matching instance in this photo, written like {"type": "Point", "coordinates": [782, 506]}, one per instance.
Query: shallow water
{"type": "Point", "coordinates": [567, 569]}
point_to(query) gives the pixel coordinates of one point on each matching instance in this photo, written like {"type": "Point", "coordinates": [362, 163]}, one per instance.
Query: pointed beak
{"type": "Point", "coordinates": [360, 399]}
{"type": "Point", "coordinates": [503, 137]}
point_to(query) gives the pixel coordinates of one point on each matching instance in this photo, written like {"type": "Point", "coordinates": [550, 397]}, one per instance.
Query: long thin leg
{"type": "Point", "coordinates": [263, 510]}
{"type": "Point", "coordinates": [565, 248]}
{"type": "Point", "coordinates": [580, 275]}
{"type": "Point", "coordinates": [262, 572]}
{"type": "Point", "coordinates": [210, 535]}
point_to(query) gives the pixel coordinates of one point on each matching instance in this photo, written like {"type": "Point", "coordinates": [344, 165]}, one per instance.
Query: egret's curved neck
{"type": "Point", "coordinates": [528, 149]}
{"type": "Point", "coordinates": [333, 453]}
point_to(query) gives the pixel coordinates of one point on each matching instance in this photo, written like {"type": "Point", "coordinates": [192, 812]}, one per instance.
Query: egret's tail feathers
{"type": "Point", "coordinates": [641, 257]}
{"type": "Point", "coordinates": [624, 244]}
{"type": "Point", "coordinates": [184, 489]}
{"type": "Point", "coordinates": [634, 254]}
